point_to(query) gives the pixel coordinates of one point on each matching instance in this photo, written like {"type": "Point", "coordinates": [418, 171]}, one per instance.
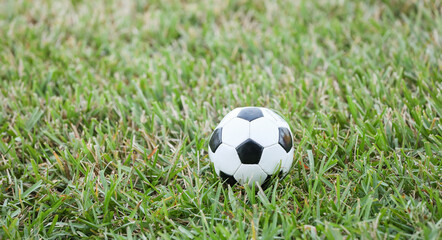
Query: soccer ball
{"type": "Point", "coordinates": [250, 145]}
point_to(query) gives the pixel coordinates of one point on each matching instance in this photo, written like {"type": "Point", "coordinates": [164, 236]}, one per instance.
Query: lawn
{"type": "Point", "coordinates": [107, 106]}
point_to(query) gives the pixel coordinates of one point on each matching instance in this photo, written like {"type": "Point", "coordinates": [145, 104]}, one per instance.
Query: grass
{"type": "Point", "coordinates": [106, 108]}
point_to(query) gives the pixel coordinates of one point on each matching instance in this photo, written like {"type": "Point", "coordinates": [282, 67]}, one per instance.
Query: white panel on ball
{"type": "Point", "coordinates": [250, 174]}
{"type": "Point", "coordinates": [273, 158]}
{"type": "Point", "coordinates": [280, 122]}
{"type": "Point", "coordinates": [231, 115]}
{"type": "Point", "coordinates": [216, 169]}
{"type": "Point", "coordinates": [226, 159]}
{"type": "Point", "coordinates": [211, 154]}
{"type": "Point", "coordinates": [264, 131]}
{"type": "Point", "coordinates": [212, 157]}
{"type": "Point", "coordinates": [267, 114]}
{"type": "Point", "coordinates": [235, 132]}
{"type": "Point", "coordinates": [289, 161]}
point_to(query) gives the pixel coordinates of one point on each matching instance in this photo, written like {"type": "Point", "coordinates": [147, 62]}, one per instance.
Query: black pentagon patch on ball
{"type": "Point", "coordinates": [227, 178]}
{"type": "Point", "coordinates": [216, 139]}
{"type": "Point", "coordinates": [250, 113]}
{"type": "Point", "coordinates": [285, 139]}
{"type": "Point", "coordinates": [249, 152]}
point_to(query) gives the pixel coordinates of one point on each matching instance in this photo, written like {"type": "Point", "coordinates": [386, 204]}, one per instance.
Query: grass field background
{"type": "Point", "coordinates": [106, 108]}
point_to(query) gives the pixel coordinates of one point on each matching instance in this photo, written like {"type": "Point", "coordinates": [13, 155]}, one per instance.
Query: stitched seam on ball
{"type": "Point", "coordinates": [228, 145]}
{"type": "Point", "coordinates": [262, 169]}
{"type": "Point", "coordinates": [233, 175]}
{"type": "Point", "coordinates": [225, 123]}
{"type": "Point", "coordinates": [270, 145]}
